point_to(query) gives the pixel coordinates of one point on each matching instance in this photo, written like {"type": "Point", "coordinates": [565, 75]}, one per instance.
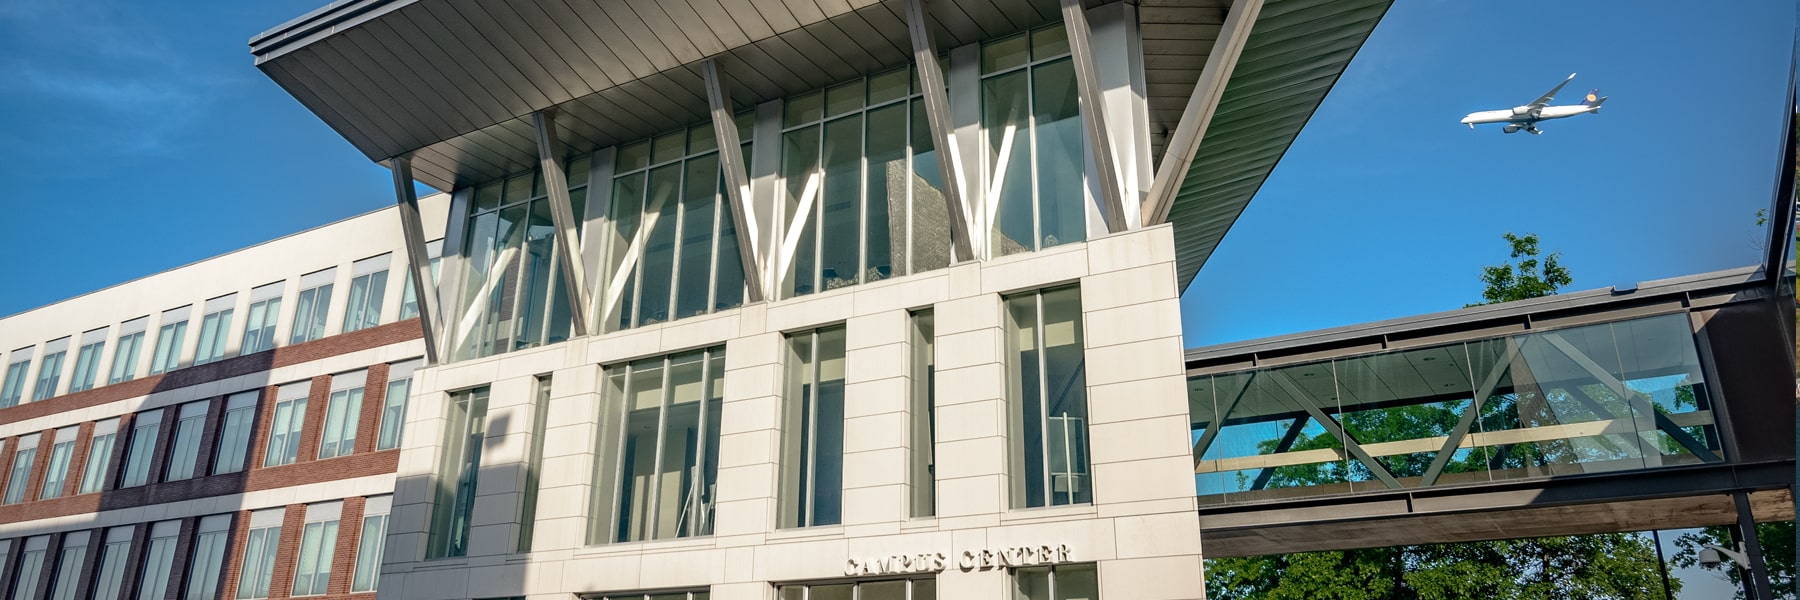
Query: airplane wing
{"type": "Point", "coordinates": [1544, 100]}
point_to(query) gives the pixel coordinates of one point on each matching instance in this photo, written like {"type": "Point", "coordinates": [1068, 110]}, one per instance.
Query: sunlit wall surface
{"type": "Point", "coordinates": [1617, 396]}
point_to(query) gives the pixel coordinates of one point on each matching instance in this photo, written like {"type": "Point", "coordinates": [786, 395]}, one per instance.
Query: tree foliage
{"type": "Point", "coordinates": [1534, 276]}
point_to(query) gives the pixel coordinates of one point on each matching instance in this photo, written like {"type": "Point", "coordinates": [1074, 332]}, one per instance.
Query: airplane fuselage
{"type": "Point", "coordinates": [1524, 117]}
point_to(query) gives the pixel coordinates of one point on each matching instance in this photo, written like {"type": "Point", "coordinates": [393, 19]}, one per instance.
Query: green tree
{"type": "Point", "coordinates": [1619, 565]}
{"type": "Point", "coordinates": [1778, 552]}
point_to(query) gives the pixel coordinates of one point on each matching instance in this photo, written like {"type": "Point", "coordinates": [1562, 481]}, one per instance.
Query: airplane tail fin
{"type": "Point", "coordinates": [1593, 98]}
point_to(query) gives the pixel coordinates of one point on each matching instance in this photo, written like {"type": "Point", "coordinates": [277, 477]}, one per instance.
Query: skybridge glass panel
{"type": "Point", "coordinates": [1626, 395]}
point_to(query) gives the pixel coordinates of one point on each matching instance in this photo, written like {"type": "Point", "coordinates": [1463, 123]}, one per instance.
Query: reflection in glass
{"type": "Point", "coordinates": [1047, 389]}
{"type": "Point", "coordinates": [812, 441]}
{"type": "Point", "coordinates": [459, 467]}
{"type": "Point", "coordinates": [660, 420]}
{"type": "Point", "coordinates": [1034, 144]}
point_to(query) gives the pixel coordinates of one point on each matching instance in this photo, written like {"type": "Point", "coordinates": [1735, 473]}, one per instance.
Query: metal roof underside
{"type": "Point", "coordinates": [1295, 53]}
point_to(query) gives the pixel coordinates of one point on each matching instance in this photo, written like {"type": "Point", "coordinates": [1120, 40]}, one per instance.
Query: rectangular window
{"type": "Point", "coordinates": [19, 477]}
{"type": "Point", "coordinates": [184, 454]}
{"type": "Point", "coordinates": [159, 561]}
{"type": "Point", "coordinates": [898, 589]}
{"type": "Point", "coordinates": [393, 404]}
{"type": "Point", "coordinates": [144, 430]}
{"type": "Point", "coordinates": [69, 564]}
{"type": "Point", "coordinates": [113, 556]}
{"type": "Point", "coordinates": [50, 370]}
{"type": "Point", "coordinates": [342, 412]}
{"type": "Point", "coordinates": [460, 463]}
{"type": "Point", "coordinates": [214, 328]}
{"type": "Point", "coordinates": [661, 420]}
{"type": "Point", "coordinates": [87, 360]}
{"type": "Point", "coordinates": [922, 462]}
{"type": "Point", "coordinates": [208, 563]}
{"type": "Point", "coordinates": [312, 306]}
{"type": "Point", "coordinates": [168, 340]}
{"type": "Point", "coordinates": [1034, 143]}
{"type": "Point", "coordinates": [125, 357]}
{"type": "Point", "coordinates": [1059, 582]}
{"type": "Point", "coordinates": [513, 296]}
{"type": "Point", "coordinates": [234, 435]}
{"type": "Point", "coordinates": [534, 462]}
{"type": "Point", "coordinates": [318, 544]}
{"type": "Point", "coordinates": [370, 543]}
{"type": "Point", "coordinates": [1047, 399]}
{"type": "Point", "coordinates": [285, 425]}
{"type": "Point", "coordinates": [99, 456]}
{"type": "Point", "coordinates": [31, 568]}
{"type": "Point", "coordinates": [259, 327]}
{"type": "Point", "coordinates": [368, 286]}
{"type": "Point", "coordinates": [56, 475]}
{"type": "Point", "coordinates": [409, 297]}
{"type": "Point", "coordinates": [18, 367]}
{"type": "Point", "coordinates": [812, 431]}
{"type": "Point", "coordinates": [260, 545]}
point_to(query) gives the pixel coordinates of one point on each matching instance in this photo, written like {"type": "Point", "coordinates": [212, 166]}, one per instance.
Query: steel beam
{"type": "Point", "coordinates": [1212, 433]}
{"type": "Point", "coordinates": [737, 179]}
{"type": "Point", "coordinates": [1093, 115]}
{"type": "Point", "coordinates": [1287, 443]}
{"type": "Point", "coordinates": [417, 259]}
{"type": "Point", "coordinates": [1336, 430]}
{"type": "Point", "coordinates": [937, 116]}
{"type": "Point", "coordinates": [550, 161]}
{"type": "Point", "coordinates": [1178, 153]}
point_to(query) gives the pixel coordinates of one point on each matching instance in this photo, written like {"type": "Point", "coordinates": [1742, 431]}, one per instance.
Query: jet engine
{"type": "Point", "coordinates": [1512, 128]}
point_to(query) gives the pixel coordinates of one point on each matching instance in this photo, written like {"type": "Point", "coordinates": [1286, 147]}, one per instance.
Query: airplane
{"type": "Point", "coordinates": [1526, 117]}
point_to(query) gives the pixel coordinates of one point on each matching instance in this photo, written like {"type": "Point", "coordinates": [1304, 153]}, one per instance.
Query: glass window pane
{"type": "Point", "coordinates": [678, 494]}
{"type": "Point", "coordinates": [93, 473]}
{"type": "Point", "coordinates": [698, 205]}
{"type": "Point", "coordinates": [841, 231]}
{"type": "Point", "coordinates": [803, 109]}
{"type": "Point", "coordinates": [667, 147]}
{"type": "Point", "coordinates": [928, 216]}
{"type": "Point", "coordinates": [577, 174]}
{"type": "Point", "coordinates": [663, 206]}
{"type": "Point", "coordinates": [728, 291]}
{"type": "Point", "coordinates": [1032, 583]}
{"type": "Point", "coordinates": [368, 554]}
{"type": "Point", "coordinates": [633, 157]}
{"type": "Point", "coordinates": [843, 98]}
{"type": "Point", "coordinates": [827, 470]}
{"type": "Point", "coordinates": [1059, 154]}
{"type": "Point", "coordinates": [1049, 42]}
{"type": "Point", "coordinates": [885, 216]}
{"type": "Point", "coordinates": [1004, 53]}
{"type": "Point", "coordinates": [487, 197]}
{"type": "Point", "coordinates": [1077, 582]}
{"type": "Point", "coordinates": [1005, 118]}
{"type": "Point", "coordinates": [701, 138]}
{"type": "Point", "coordinates": [799, 168]}
{"type": "Point", "coordinates": [882, 590]}
{"type": "Point", "coordinates": [627, 211]}
{"type": "Point", "coordinates": [891, 85]}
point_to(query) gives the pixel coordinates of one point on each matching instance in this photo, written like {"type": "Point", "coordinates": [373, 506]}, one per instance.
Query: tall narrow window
{"type": "Point", "coordinates": [409, 297]}
{"type": "Point", "coordinates": [168, 340]}
{"type": "Point", "coordinates": [99, 456]}
{"type": "Point", "coordinates": [1035, 149]}
{"type": "Point", "coordinates": [144, 430]}
{"type": "Point", "coordinates": [512, 294]}
{"type": "Point", "coordinates": [318, 544]}
{"type": "Point", "coordinates": [50, 370]}
{"type": "Point", "coordinates": [259, 326]}
{"type": "Point", "coordinates": [113, 557]}
{"type": "Point", "coordinates": [534, 463]}
{"type": "Point", "coordinates": [31, 568]}
{"type": "Point", "coordinates": [208, 563]}
{"type": "Point", "coordinates": [159, 561]}
{"type": "Point", "coordinates": [87, 360]}
{"type": "Point", "coordinates": [342, 412]}
{"type": "Point", "coordinates": [260, 545]}
{"type": "Point", "coordinates": [922, 470]}
{"type": "Point", "coordinates": [393, 404]}
{"type": "Point", "coordinates": [184, 453]}
{"type": "Point", "coordinates": [368, 286]}
{"type": "Point", "coordinates": [125, 357]}
{"type": "Point", "coordinates": [19, 477]}
{"type": "Point", "coordinates": [812, 430]}
{"type": "Point", "coordinates": [56, 475]}
{"type": "Point", "coordinates": [370, 543]}
{"type": "Point", "coordinates": [18, 367]}
{"type": "Point", "coordinates": [312, 306]}
{"type": "Point", "coordinates": [215, 327]}
{"type": "Point", "coordinates": [285, 424]}
{"type": "Point", "coordinates": [662, 418]}
{"type": "Point", "coordinates": [234, 435]}
{"type": "Point", "coordinates": [1059, 582]}
{"type": "Point", "coordinates": [69, 564]}
{"type": "Point", "coordinates": [1047, 397]}
{"type": "Point", "coordinates": [460, 459]}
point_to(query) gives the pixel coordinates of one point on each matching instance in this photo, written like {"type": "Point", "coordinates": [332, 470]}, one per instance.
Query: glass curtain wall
{"type": "Point", "coordinates": [1035, 150]}
{"type": "Point", "coordinates": [513, 296]}
{"type": "Point", "coordinates": [661, 429]}
{"type": "Point", "coordinates": [1047, 394]}
{"type": "Point", "coordinates": [812, 432]}
{"type": "Point", "coordinates": [1614, 396]}
{"type": "Point", "coordinates": [862, 199]}
{"type": "Point", "coordinates": [671, 246]}
{"type": "Point", "coordinates": [459, 467]}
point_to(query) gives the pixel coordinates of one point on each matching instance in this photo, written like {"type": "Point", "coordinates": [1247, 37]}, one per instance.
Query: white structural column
{"type": "Point", "coordinates": [550, 161]}
{"type": "Point", "coordinates": [737, 179]}
{"type": "Point", "coordinates": [417, 259]}
{"type": "Point", "coordinates": [1185, 141]}
{"type": "Point", "coordinates": [937, 117]}
{"type": "Point", "coordinates": [1093, 115]}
